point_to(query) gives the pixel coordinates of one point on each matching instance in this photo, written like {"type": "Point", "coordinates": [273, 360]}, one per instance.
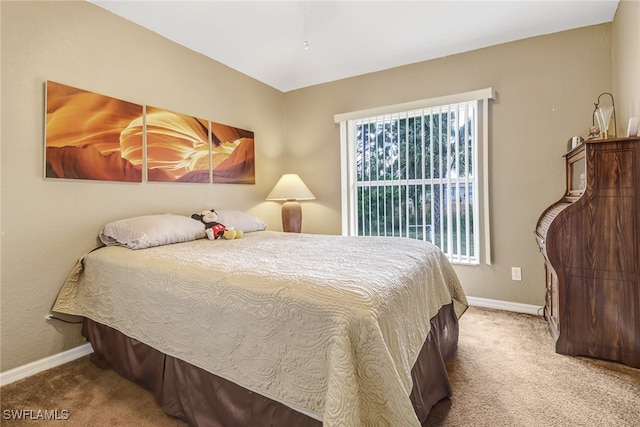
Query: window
{"type": "Point", "coordinates": [414, 170]}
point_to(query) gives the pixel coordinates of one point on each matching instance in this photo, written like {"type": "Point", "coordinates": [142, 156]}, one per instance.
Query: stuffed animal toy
{"type": "Point", "coordinates": [213, 228]}
{"type": "Point", "coordinates": [231, 234]}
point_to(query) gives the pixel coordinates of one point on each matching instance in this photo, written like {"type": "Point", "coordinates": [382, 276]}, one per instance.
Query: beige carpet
{"type": "Point", "coordinates": [505, 374]}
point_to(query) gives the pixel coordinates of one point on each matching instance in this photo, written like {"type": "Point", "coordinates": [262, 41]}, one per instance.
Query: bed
{"type": "Point", "coordinates": [274, 328]}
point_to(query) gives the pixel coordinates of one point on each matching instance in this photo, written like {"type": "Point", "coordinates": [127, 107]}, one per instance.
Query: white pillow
{"type": "Point", "coordinates": [151, 230]}
{"type": "Point", "coordinates": [238, 220]}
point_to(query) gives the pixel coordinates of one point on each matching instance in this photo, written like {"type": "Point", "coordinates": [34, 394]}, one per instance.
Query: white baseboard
{"type": "Point", "coordinates": [505, 305]}
{"type": "Point", "coordinates": [33, 368]}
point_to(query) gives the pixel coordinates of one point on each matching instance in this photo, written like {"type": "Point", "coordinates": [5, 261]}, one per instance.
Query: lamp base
{"type": "Point", "coordinates": [291, 217]}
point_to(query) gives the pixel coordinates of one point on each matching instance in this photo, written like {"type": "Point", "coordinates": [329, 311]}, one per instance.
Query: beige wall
{"type": "Point", "coordinates": [48, 224]}
{"type": "Point", "coordinates": [626, 62]}
{"type": "Point", "coordinates": [546, 87]}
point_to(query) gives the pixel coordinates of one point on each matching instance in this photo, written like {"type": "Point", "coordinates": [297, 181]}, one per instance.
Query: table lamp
{"type": "Point", "coordinates": [290, 189]}
{"type": "Point", "coordinates": [604, 115]}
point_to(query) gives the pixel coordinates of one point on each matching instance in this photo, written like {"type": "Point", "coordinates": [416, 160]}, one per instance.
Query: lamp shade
{"type": "Point", "coordinates": [290, 187]}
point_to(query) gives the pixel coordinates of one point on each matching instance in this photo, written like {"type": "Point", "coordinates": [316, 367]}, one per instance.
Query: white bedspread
{"type": "Point", "coordinates": [329, 325]}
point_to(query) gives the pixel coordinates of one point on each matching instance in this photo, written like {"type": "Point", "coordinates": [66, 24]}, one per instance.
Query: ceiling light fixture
{"type": "Point", "coordinates": [305, 44]}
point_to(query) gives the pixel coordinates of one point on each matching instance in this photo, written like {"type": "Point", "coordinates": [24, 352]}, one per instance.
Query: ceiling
{"type": "Point", "coordinates": [264, 39]}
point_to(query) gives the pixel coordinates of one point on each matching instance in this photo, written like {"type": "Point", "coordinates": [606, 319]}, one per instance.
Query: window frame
{"type": "Point", "coordinates": [348, 161]}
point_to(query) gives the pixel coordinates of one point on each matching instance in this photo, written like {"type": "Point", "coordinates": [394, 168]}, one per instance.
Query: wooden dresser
{"type": "Point", "coordinates": [590, 240]}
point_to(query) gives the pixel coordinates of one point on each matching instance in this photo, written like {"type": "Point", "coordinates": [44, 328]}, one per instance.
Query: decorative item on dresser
{"type": "Point", "coordinates": [590, 240]}
{"type": "Point", "coordinates": [604, 115]}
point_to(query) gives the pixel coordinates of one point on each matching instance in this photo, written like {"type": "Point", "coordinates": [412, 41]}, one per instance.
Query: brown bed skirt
{"type": "Point", "coordinates": [204, 399]}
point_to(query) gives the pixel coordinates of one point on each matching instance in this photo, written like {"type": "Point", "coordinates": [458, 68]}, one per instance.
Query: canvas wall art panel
{"type": "Point", "coordinates": [233, 155]}
{"type": "Point", "coordinates": [91, 136]}
{"type": "Point", "coordinates": [178, 147]}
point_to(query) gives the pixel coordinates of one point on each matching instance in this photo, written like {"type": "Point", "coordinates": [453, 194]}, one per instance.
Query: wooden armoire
{"type": "Point", "coordinates": [590, 240]}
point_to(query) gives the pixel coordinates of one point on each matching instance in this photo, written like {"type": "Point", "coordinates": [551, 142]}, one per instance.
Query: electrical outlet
{"type": "Point", "coordinates": [516, 273]}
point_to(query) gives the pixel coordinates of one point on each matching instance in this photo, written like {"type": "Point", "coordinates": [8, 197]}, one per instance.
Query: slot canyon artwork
{"type": "Point", "coordinates": [232, 155]}
{"type": "Point", "coordinates": [88, 136]}
{"type": "Point", "coordinates": [92, 136]}
{"type": "Point", "coordinates": [177, 147]}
